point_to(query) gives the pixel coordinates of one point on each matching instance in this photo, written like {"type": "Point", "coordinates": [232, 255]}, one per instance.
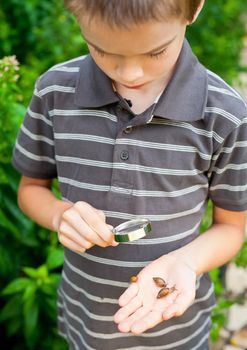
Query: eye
{"type": "Point", "coordinates": [157, 54]}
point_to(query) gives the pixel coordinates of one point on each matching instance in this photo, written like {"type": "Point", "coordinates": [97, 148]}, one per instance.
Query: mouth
{"type": "Point", "coordinates": [133, 86]}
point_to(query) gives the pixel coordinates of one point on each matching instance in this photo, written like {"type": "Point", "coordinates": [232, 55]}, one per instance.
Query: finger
{"type": "Point", "coordinates": [127, 310]}
{"type": "Point", "coordinates": [94, 220]}
{"type": "Point", "coordinates": [126, 325]}
{"type": "Point", "coordinates": [130, 293]}
{"type": "Point", "coordinates": [100, 213]}
{"type": "Point", "coordinates": [178, 307]}
{"type": "Point", "coordinates": [66, 230]}
{"type": "Point", "coordinates": [151, 319]}
{"type": "Point", "coordinates": [73, 218]}
{"type": "Point", "coordinates": [68, 243]}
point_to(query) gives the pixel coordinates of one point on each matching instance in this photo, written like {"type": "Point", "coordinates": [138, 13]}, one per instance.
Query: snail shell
{"type": "Point", "coordinates": [159, 282]}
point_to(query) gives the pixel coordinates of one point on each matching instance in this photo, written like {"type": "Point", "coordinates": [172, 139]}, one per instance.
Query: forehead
{"type": "Point", "coordinates": [137, 38]}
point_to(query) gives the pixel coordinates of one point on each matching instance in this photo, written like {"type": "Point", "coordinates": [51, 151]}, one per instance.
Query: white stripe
{"type": "Point", "coordinates": [223, 91]}
{"type": "Point", "coordinates": [178, 236]}
{"type": "Point", "coordinates": [229, 188]}
{"type": "Point", "coordinates": [144, 335]}
{"type": "Point", "coordinates": [185, 125]}
{"type": "Point", "coordinates": [70, 338]}
{"type": "Point", "coordinates": [39, 116]}
{"type": "Point", "coordinates": [96, 279]}
{"type": "Point", "coordinates": [231, 167]}
{"type": "Point", "coordinates": [111, 318]}
{"type": "Point", "coordinates": [132, 167]}
{"type": "Point", "coordinates": [223, 113]}
{"type": "Point", "coordinates": [88, 295]}
{"type": "Point", "coordinates": [34, 156]}
{"type": "Point", "coordinates": [84, 137]}
{"type": "Point", "coordinates": [121, 141]}
{"type": "Point", "coordinates": [79, 59]}
{"type": "Point", "coordinates": [162, 146]}
{"type": "Point", "coordinates": [229, 87]}
{"type": "Point", "coordinates": [83, 112]}
{"type": "Point", "coordinates": [83, 308]}
{"type": "Point", "coordinates": [66, 69]}
{"type": "Point", "coordinates": [138, 193]}
{"type": "Point", "coordinates": [56, 88]}
{"type": "Point", "coordinates": [126, 216]}
{"type": "Point", "coordinates": [37, 137]}
{"type": "Point", "coordinates": [115, 301]}
{"type": "Point", "coordinates": [172, 345]}
{"type": "Point", "coordinates": [237, 144]}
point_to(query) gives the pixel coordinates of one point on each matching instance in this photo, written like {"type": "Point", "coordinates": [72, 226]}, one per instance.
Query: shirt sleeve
{"type": "Point", "coordinates": [33, 154]}
{"type": "Point", "coordinates": [228, 173]}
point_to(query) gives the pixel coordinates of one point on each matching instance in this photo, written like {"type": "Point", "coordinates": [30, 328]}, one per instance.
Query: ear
{"type": "Point", "coordinates": [198, 11]}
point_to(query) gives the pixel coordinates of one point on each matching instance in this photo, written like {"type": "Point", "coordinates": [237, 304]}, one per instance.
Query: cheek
{"type": "Point", "coordinates": [106, 65]}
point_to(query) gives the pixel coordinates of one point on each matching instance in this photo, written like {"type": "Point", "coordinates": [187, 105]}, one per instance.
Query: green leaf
{"type": "Point", "coordinates": [31, 313]}
{"type": "Point", "coordinates": [6, 223]}
{"type": "Point", "coordinates": [31, 272]}
{"type": "Point", "coordinates": [30, 291]}
{"type": "Point", "coordinates": [10, 311]}
{"type": "Point", "coordinates": [55, 258]}
{"type": "Point", "coordinates": [16, 286]}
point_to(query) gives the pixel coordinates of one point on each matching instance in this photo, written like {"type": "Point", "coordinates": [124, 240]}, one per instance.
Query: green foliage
{"type": "Point", "coordinates": [35, 294]}
{"type": "Point", "coordinates": [241, 258]}
{"type": "Point", "coordinates": [11, 109]}
{"type": "Point", "coordinates": [217, 37]}
{"type": "Point", "coordinates": [28, 298]}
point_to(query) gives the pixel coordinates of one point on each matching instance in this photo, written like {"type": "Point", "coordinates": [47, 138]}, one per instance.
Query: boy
{"type": "Point", "coordinates": [137, 129]}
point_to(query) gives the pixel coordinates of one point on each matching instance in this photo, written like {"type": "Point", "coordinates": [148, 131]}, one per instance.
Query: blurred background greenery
{"type": "Point", "coordinates": [41, 34]}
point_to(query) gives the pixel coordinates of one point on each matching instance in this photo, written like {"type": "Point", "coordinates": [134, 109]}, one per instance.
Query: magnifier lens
{"type": "Point", "coordinates": [132, 230]}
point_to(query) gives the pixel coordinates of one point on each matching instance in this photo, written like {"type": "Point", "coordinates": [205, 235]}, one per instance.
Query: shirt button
{"type": "Point", "coordinates": [128, 130]}
{"type": "Point", "coordinates": [124, 155]}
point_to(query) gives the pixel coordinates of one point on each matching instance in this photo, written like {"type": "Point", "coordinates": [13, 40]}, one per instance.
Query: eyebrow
{"type": "Point", "coordinates": [157, 49]}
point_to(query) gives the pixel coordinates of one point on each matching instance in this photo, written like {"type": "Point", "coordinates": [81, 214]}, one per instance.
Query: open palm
{"type": "Point", "coordinates": [141, 310]}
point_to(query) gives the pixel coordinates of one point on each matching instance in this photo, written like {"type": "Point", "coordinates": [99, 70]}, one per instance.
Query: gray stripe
{"type": "Point", "coordinates": [138, 193]}
{"type": "Point", "coordinates": [126, 216]}
{"type": "Point", "coordinates": [96, 279]}
{"type": "Point", "coordinates": [184, 125]}
{"type": "Point", "coordinates": [39, 116]}
{"type": "Point", "coordinates": [36, 137]}
{"type": "Point", "coordinates": [84, 137]}
{"type": "Point", "coordinates": [132, 167]}
{"type": "Point", "coordinates": [83, 112]}
{"type": "Point", "coordinates": [231, 167]}
{"type": "Point", "coordinates": [223, 113]}
{"type": "Point", "coordinates": [34, 156]}
{"type": "Point", "coordinates": [223, 91]}
{"type": "Point", "coordinates": [163, 146]}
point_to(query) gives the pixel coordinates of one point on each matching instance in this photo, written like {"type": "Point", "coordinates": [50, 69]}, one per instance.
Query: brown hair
{"type": "Point", "coordinates": [123, 13]}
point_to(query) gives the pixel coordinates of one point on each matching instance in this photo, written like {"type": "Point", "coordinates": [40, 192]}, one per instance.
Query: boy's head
{"type": "Point", "coordinates": [135, 42]}
{"type": "Point", "coordinates": [122, 13]}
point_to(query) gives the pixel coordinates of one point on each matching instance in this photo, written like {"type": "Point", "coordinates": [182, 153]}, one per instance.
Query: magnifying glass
{"type": "Point", "coordinates": [132, 230]}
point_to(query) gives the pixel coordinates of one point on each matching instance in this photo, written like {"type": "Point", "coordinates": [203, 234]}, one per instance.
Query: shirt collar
{"type": "Point", "coordinates": [183, 99]}
{"type": "Point", "coordinates": [93, 87]}
{"type": "Point", "coordinates": [185, 96]}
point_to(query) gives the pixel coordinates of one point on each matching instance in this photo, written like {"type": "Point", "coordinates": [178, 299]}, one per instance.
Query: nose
{"type": "Point", "coordinates": [129, 72]}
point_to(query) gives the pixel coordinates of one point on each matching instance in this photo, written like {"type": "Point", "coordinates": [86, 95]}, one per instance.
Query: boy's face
{"type": "Point", "coordinates": [139, 57]}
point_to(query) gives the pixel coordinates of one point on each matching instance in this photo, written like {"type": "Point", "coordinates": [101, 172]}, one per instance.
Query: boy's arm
{"type": "Point", "coordinates": [141, 310]}
{"type": "Point", "coordinates": [218, 245]}
{"type": "Point", "coordinates": [79, 225]}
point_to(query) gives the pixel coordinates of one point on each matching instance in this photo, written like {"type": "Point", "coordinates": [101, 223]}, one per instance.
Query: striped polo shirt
{"type": "Point", "coordinates": [163, 164]}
